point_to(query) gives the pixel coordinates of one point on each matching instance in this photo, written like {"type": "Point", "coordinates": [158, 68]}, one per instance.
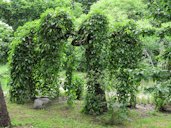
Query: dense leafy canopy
{"type": "Point", "coordinates": [121, 9]}
{"type": "Point", "coordinates": [161, 10]}
{"type": "Point", "coordinates": [18, 12]}
{"type": "Point", "coordinates": [86, 4]}
{"type": "Point", "coordinates": [6, 37]}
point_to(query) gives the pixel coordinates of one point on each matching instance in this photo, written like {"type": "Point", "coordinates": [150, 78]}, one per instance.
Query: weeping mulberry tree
{"type": "Point", "coordinates": [92, 34]}
{"type": "Point", "coordinates": [55, 28]}
{"type": "Point", "coordinates": [22, 62]}
{"type": "Point", "coordinates": [125, 54]}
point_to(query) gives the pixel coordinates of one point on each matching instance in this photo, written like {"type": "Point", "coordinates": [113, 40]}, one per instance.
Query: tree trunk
{"type": "Point", "coordinates": [4, 117]}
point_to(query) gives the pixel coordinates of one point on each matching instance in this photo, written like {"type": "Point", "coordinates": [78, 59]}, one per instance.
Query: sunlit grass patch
{"type": "Point", "coordinates": [4, 76]}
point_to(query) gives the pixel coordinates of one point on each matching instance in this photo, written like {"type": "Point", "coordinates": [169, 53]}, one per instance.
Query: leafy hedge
{"type": "Point", "coordinates": [18, 12]}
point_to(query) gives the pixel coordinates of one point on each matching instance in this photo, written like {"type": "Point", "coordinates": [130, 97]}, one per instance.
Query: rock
{"type": "Point", "coordinates": [40, 103]}
{"type": "Point", "coordinates": [45, 100]}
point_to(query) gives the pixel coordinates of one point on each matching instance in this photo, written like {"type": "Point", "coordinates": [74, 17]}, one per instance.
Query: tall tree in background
{"type": "Point", "coordinates": [17, 12]}
{"type": "Point", "coordinates": [4, 117]}
{"type": "Point", "coordinates": [86, 4]}
{"type": "Point", "coordinates": [160, 10]}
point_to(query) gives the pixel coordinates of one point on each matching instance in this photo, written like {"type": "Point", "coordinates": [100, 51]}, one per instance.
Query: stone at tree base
{"type": "Point", "coordinates": [40, 103]}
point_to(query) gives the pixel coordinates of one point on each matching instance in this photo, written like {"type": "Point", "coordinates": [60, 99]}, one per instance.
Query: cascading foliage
{"type": "Point", "coordinates": [22, 61]}
{"type": "Point", "coordinates": [125, 54]}
{"type": "Point", "coordinates": [55, 28]}
{"type": "Point", "coordinates": [35, 56]}
{"type": "Point", "coordinates": [92, 34]}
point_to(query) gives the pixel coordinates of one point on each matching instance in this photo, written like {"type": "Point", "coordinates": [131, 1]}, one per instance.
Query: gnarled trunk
{"type": "Point", "coordinates": [4, 117]}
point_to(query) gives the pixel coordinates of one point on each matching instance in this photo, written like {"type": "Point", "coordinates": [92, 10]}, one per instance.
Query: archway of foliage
{"type": "Point", "coordinates": [22, 61]}
{"type": "Point", "coordinates": [125, 54]}
{"type": "Point", "coordinates": [55, 28]}
{"type": "Point", "coordinates": [18, 12]}
{"type": "Point", "coordinates": [92, 34]}
{"type": "Point", "coordinates": [5, 39]}
{"type": "Point", "coordinates": [39, 45]}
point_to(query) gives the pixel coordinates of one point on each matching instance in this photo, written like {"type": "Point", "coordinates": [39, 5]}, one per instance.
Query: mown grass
{"type": "Point", "coordinates": [59, 115]}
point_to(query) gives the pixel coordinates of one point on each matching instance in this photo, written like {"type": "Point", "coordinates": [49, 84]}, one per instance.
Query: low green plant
{"type": "Point", "coordinates": [79, 83]}
{"type": "Point", "coordinates": [75, 89]}
{"type": "Point", "coordinates": [161, 93]}
{"type": "Point", "coordinates": [119, 114]}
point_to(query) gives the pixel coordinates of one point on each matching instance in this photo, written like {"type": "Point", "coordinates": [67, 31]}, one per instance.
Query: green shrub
{"type": "Point", "coordinates": [75, 89]}
{"type": "Point", "coordinates": [118, 115]}
{"type": "Point", "coordinates": [79, 83]}
{"type": "Point", "coordinates": [161, 93]}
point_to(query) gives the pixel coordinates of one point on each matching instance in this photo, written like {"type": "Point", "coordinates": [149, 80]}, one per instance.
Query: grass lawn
{"type": "Point", "coordinates": [59, 115]}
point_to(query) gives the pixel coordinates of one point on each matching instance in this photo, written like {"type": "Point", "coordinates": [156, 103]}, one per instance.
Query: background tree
{"type": "Point", "coordinates": [6, 37]}
{"type": "Point", "coordinates": [160, 10]}
{"type": "Point", "coordinates": [86, 4]}
{"type": "Point", "coordinates": [18, 12]}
